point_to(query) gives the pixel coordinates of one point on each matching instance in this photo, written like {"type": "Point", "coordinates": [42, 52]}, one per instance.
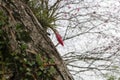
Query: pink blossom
{"type": "Point", "coordinates": [69, 7]}
{"type": "Point", "coordinates": [78, 9]}
{"type": "Point", "coordinates": [59, 38]}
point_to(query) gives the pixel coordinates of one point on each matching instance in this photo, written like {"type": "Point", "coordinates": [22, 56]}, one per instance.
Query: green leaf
{"type": "Point", "coordinates": [39, 73]}
{"type": "Point", "coordinates": [23, 46]}
{"type": "Point", "coordinates": [19, 26]}
{"type": "Point", "coordinates": [38, 59]}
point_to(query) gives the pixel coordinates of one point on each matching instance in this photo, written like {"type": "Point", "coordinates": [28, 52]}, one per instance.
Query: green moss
{"type": "Point", "coordinates": [3, 18]}
{"type": "Point", "coordinates": [22, 34]}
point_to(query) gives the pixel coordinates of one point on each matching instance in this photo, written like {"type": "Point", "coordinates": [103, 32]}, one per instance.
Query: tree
{"type": "Point", "coordinates": [93, 28]}
{"type": "Point", "coordinates": [85, 19]}
{"type": "Point", "coordinates": [26, 51]}
{"type": "Point", "coordinates": [91, 25]}
{"type": "Point", "coordinates": [94, 33]}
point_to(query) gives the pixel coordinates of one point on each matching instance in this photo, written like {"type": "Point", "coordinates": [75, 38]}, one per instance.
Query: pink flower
{"type": "Point", "coordinates": [59, 38]}
{"type": "Point", "coordinates": [69, 7]}
{"type": "Point", "coordinates": [65, 14]}
{"type": "Point", "coordinates": [78, 9]}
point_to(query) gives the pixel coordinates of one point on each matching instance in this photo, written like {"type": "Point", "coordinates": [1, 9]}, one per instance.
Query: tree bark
{"type": "Point", "coordinates": [37, 43]}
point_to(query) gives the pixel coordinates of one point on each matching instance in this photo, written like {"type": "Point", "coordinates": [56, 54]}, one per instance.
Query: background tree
{"type": "Point", "coordinates": [92, 27]}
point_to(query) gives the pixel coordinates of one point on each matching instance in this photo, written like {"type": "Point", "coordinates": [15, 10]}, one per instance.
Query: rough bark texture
{"type": "Point", "coordinates": [39, 42]}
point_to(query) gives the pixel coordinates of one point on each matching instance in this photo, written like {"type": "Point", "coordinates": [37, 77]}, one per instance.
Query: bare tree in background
{"type": "Point", "coordinates": [93, 29]}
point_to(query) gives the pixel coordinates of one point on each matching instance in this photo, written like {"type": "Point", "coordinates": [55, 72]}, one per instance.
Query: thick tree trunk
{"type": "Point", "coordinates": [33, 36]}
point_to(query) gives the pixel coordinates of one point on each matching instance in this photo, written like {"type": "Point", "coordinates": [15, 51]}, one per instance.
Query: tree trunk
{"type": "Point", "coordinates": [27, 38]}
